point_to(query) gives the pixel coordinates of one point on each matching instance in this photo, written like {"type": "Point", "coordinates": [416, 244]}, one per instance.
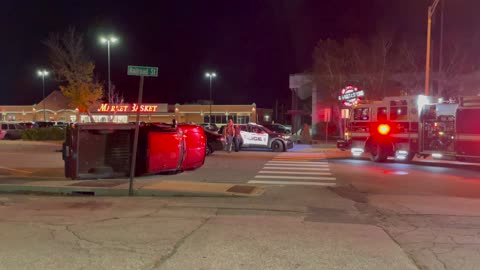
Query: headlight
{"type": "Point", "coordinates": [285, 137]}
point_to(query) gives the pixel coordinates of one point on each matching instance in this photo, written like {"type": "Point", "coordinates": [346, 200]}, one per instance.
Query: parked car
{"type": "Point", "coordinates": [27, 124]}
{"type": "Point", "coordinates": [257, 136]}
{"type": "Point", "coordinates": [297, 136]}
{"type": "Point", "coordinates": [43, 124]}
{"type": "Point", "coordinates": [215, 142]}
{"type": "Point", "coordinates": [11, 131]}
{"type": "Point", "coordinates": [279, 128]}
{"type": "Point", "coordinates": [211, 127]}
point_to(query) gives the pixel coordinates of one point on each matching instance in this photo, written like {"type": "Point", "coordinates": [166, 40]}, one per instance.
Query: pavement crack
{"type": "Point", "coordinates": [436, 255]}
{"type": "Point", "coordinates": [180, 242]}
{"type": "Point", "coordinates": [79, 238]}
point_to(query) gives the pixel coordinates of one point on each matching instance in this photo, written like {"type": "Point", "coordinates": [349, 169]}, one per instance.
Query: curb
{"type": "Point", "coordinates": [110, 192]}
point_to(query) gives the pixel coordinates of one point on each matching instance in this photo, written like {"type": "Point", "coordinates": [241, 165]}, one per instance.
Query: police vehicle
{"type": "Point", "coordinates": [258, 136]}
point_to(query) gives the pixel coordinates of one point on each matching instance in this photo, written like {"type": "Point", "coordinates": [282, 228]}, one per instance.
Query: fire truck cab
{"type": "Point", "coordinates": [408, 126]}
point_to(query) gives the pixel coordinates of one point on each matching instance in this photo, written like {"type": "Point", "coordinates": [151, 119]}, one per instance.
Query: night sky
{"type": "Point", "coordinates": [252, 45]}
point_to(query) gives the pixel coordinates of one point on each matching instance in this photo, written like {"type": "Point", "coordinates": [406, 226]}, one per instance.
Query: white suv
{"type": "Point", "coordinates": [10, 131]}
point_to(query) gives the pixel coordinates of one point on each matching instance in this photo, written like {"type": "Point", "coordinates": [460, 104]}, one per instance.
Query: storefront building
{"type": "Point", "coordinates": [55, 107]}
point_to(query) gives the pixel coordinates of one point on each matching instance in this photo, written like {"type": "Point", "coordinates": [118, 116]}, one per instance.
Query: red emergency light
{"type": "Point", "coordinates": [383, 129]}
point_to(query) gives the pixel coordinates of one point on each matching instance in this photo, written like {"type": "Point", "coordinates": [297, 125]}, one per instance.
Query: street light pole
{"type": "Point", "coordinates": [43, 73]}
{"type": "Point", "coordinates": [109, 81]}
{"type": "Point", "coordinates": [210, 76]}
{"type": "Point", "coordinates": [431, 11]}
{"type": "Point", "coordinates": [109, 41]}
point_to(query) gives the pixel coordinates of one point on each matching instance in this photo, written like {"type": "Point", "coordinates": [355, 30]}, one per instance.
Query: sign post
{"type": "Point", "coordinates": [142, 72]}
{"type": "Point", "coordinates": [328, 113]}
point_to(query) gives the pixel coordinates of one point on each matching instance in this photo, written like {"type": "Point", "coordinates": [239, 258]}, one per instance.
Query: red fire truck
{"type": "Point", "coordinates": [408, 126]}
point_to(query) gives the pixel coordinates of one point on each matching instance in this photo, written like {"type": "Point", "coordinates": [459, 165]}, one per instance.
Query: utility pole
{"type": "Point", "coordinates": [440, 54]}
{"type": "Point", "coordinates": [431, 11]}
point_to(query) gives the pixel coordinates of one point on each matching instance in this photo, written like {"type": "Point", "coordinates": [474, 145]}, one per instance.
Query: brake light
{"type": "Point", "coordinates": [383, 129]}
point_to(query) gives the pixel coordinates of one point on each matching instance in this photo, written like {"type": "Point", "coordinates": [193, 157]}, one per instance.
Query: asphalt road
{"type": "Point", "coordinates": [321, 210]}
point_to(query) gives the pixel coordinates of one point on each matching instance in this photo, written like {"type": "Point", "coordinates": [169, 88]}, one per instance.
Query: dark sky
{"type": "Point", "coordinates": [252, 45]}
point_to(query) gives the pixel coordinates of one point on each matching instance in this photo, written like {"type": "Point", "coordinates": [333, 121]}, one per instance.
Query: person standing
{"type": "Point", "coordinates": [229, 133]}
{"type": "Point", "coordinates": [306, 137]}
{"type": "Point", "coordinates": [238, 137]}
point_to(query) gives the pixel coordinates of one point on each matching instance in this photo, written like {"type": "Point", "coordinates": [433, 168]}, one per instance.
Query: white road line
{"type": "Point", "coordinates": [325, 178]}
{"type": "Point", "coordinates": [287, 172]}
{"type": "Point", "coordinates": [300, 154]}
{"type": "Point", "coordinates": [298, 162]}
{"type": "Point", "coordinates": [290, 183]}
{"type": "Point", "coordinates": [14, 170]}
{"type": "Point", "coordinates": [298, 165]}
{"type": "Point", "coordinates": [296, 168]}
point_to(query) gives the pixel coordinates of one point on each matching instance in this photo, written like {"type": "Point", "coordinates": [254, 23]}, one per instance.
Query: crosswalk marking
{"type": "Point", "coordinates": [297, 169]}
{"type": "Point", "coordinates": [289, 183]}
{"type": "Point", "coordinates": [297, 162]}
{"type": "Point", "coordinates": [296, 173]}
{"type": "Point", "coordinates": [306, 169]}
{"type": "Point", "coordinates": [298, 165]}
{"type": "Point", "coordinates": [297, 177]}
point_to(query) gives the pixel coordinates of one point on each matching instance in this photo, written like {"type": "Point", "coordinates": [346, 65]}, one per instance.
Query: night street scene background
{"type": "Point", "coordinates": [252, 45]}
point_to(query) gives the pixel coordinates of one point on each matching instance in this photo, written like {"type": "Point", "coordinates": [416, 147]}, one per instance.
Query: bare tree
{"type": "Point", "coordinates": [72, 67]}
{"type": "Point", "coordinates": [117, 100]}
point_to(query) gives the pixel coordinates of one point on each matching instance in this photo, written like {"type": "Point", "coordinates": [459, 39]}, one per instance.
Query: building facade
{"type": "Point", "coordinates": [56, 107]}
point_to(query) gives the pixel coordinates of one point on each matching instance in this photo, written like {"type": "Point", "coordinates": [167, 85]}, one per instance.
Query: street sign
{"type": "Point", "coordinates": [142, 71]}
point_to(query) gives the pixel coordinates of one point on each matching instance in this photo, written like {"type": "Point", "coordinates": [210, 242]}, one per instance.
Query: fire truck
{"type": "Point", "coordinates": [405, 127]}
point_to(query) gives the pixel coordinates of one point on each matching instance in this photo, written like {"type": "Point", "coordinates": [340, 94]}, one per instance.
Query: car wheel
{"type": "Point", "coordinates": [208, 150]}
{"type": "Point", "coordinates": [378, 152]}
{"type": "Point", "coordinates": [277, 146]}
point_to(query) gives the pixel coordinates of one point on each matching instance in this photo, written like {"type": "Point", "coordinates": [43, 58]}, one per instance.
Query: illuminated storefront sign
{"type": "Point", "coordinates": [128, 108]}
{"type": "Point", "coordinates": [350, 95]}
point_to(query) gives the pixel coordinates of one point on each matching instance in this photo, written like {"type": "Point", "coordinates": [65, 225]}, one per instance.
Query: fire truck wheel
{"type": "Point", "coordinates": [408, 158]}
{"type": "Point", "coordinates": [378, 153]}
{"type": "Point", "coordinates": [277, 146]}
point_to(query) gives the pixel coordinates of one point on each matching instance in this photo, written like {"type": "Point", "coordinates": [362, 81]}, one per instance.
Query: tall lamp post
{"type": "Point", "coordinates": [431, 11]}
{"type": "Point", "coordinates": [108, 41]}
{"type": "Point", "coordinates": [210, 76]}
{"type": "Point", "coordinates": [43, 73]}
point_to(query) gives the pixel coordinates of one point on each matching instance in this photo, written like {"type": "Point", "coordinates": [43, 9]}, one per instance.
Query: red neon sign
{"type": "Point", "coordinates": [127, 108]}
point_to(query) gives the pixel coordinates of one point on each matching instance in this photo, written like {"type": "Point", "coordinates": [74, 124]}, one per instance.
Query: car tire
{"type": "Point", "coordinates": [208, 150]}
{"type": "Point", "coordinates": [277, 146]}
{"type": "Point", "coordinates": [378, 152]}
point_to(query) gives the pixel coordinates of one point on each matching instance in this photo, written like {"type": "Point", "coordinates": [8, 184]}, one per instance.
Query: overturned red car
{"type": "Point", "coordinates": [104, 150]}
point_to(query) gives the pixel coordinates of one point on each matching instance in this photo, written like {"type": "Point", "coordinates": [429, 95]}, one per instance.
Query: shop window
{"type": "Point", "coordinates": [11, 117]}
{"type": "Point", "coordinates": [243, 119]}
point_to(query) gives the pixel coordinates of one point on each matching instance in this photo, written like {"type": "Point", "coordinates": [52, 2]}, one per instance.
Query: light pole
{"type": "Point", "coordinates": [210, 76]}
{"type": "Point", "coordinates": [431, 11]}
{"type": "Point", "coordinates": [42, 73]}
{"type": "Point", "coordinates": [108, 41]}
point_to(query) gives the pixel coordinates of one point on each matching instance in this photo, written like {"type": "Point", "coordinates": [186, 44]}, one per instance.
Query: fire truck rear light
{"type": "Point", "coordinates": [383, 129]}
{"type": "Point", "coordinates": [356, 152]}
{"type": "Point", "coordinates": [437, 155]}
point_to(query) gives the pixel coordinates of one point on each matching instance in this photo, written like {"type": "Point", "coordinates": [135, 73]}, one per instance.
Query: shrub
{"type": "Point", "coordinates": [44, 134]}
